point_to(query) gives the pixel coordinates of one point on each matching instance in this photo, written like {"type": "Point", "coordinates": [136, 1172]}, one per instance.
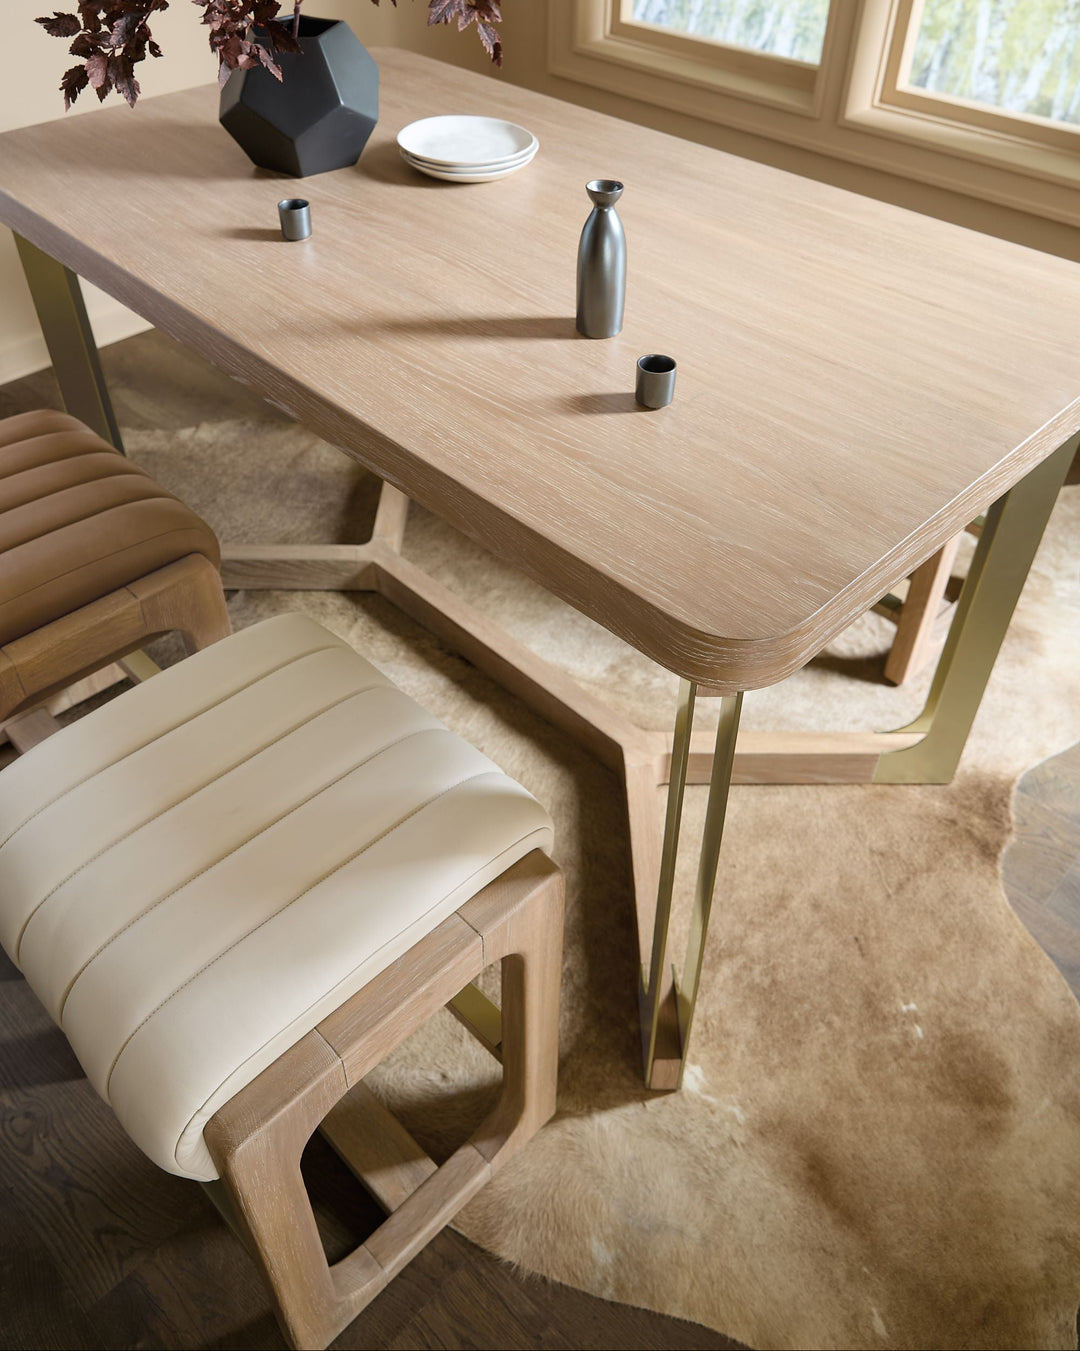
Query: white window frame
{"type": "Point", "coordinates": [878, 102]}
{"type": "Point", "coordinates": [852, 106]}
{"type": "Point", "coordinates": [591, 41]}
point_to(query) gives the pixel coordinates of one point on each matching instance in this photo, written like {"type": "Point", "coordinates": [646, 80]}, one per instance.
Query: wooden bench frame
{"type": "Point", "coordinates": [256, 1140]}
{"type": "Point", "coordinates": [184, 597]}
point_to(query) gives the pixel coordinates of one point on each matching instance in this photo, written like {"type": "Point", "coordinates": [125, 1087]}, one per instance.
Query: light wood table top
{"type": "Point", "coordinates": [856, 382]}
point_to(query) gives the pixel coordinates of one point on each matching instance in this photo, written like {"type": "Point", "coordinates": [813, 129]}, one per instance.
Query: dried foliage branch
{"type": "Point", "coordinates": [110, 37]}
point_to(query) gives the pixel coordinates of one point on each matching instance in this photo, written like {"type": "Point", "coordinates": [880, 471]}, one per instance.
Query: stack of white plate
{"type": "Point", "coordinates": [466, 149]}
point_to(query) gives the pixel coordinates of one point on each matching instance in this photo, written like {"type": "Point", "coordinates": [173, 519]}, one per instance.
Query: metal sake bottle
{"type": "Point", "coordinates": [601, 267]}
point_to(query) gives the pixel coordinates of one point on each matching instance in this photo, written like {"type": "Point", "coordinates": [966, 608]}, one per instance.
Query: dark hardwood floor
{"type": "Point", "coordinates": [1042, 865]}
{"type": "Point", "coordinates": [98, 1248]}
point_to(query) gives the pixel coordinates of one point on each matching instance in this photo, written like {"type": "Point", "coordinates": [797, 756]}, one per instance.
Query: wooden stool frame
{"type": "Point", "coordinates": [184, 597]}
{"type": "Point", "coordinates": [256, 1140]}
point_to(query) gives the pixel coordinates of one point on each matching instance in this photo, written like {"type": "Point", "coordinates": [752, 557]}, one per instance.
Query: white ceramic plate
{"type": "Point", "coordinates": [458, 141]}
{"type": "Point", "coordinates": [464, 175]}
{"type": "Point", "coordinates": [485, 167]}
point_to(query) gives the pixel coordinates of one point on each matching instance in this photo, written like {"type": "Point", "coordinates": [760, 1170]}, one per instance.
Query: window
{"type": "Point", "coordinates": [789, 28]}
{"type": "Point", "coordinates": [949, 74]}
{"type": "Point", "coordinates": [980, 97]}
{"type": "Point", "coordinates": [1006, 67]}
{"type": "Point", "coordinates": [706, 57]}
{"type": "Point", "coordinates": [1022, 56]}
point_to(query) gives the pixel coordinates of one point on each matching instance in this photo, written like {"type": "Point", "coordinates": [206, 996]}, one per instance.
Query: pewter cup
{"type": "Point", "coordinates": [655, 387]}
{"type": "Point", "coordinates": [295, 216]}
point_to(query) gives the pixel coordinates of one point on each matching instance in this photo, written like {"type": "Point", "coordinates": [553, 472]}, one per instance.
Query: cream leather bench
{"type": "Point", "coordinates": [236, 888]}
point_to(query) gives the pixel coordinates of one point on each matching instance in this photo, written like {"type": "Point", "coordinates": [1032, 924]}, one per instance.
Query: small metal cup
{"type": "Point", "coordinates": [295, 216]}
{"type": "Point", "coordinates": [655, 386]}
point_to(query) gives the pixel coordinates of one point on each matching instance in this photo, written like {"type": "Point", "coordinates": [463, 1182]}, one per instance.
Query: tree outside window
{"type": "Point", "coordinates": [791, 28]}
{"type": "Point", "coordinates": [1022, 56]}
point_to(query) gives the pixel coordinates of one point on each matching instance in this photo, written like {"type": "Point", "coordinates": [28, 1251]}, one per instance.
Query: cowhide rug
{"type": "Point", "coordinates": [878, 1144]}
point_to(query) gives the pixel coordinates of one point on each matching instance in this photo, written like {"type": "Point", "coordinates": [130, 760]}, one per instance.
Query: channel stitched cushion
{"type": "Point", "coordinates": [78, 520]}
{"type": "Point", "coordinates": [197, 873]}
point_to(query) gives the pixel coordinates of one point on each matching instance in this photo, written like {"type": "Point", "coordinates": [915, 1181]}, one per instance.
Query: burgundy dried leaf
{"type": "Point", "coordinates": [72, 85]}
{"type": "Point", "coordinates": [113, 36]}
{"type": "Point", "coordinates": [483, 13]}
{"type": "Point", "coordinates": [492, 42]}
{"type": "Point", "coordinates": [123, 78]}
{"type": "Point", "coordinates": [60, 25]}
{"type": "Point", "coordinates": [263, 11]}
{"type": "Point", "coordinates": [268, 61]}
{"type": "Point", "coordinates": [281, 38]}
{"type": "Point", "coordinates": [231, 50]}
{"type": "Point", "coordinates": [97, 69]}
{"type": "Point", "coordinates": [89, 12]}
{"type": "Point", "coordinates": [441, 11]}
{"type": "Point", "coordinates": [123, 29]}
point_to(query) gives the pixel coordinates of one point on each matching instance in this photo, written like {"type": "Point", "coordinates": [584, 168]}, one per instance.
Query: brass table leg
{"type": "Point", "coordinates": [1007, 545]}
{"type": "Point", "coordinates": [667, 997]}
{"type": "Point", "coordinates": [61, 311]}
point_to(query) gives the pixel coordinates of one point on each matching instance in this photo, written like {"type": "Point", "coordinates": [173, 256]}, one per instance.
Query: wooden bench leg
{"type": "Point", "coordinates": [919, 614]}
{"type": "Point", "coordinates": [528, 941]}
{"type": "Point", "coordinates": [185, 598]}
{"type": "Point", "coordinates": [257, 1138]}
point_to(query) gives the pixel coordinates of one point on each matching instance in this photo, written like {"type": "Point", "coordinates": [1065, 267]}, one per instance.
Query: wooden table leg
{"type": "Point", "coordinates": [918, 617]}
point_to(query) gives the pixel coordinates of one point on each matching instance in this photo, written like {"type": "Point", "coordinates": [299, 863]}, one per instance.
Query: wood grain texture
{"type": "Point", "coordinates": [257, 1138]}
{"type": "Point", "coordinates": [376, 1147]}
{"type": "Point", "coordinates": [74, 694]}
{"type": "Point", "coordinates": [406, 993]}
{"type": "Point", "coordinates": [788, 757]}
{"type": "Point", "coordinates": [917, 618]}
{"type": "Point", "coordinates": [856, 381]}
{"type": "Point", "coordinates": [184, 597]}
{"type": "Point", "coordinates": [540, 683]}
{"type": "Point", "coordinates": [32, 728]}
{"type": "Point", "coordinates": [305, 567]}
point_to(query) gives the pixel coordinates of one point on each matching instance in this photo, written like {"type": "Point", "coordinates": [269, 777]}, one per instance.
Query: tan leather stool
{"type": "Point", "coordinates": [97, 560]}
{"type": "Point", "coordinates": [236, 888]}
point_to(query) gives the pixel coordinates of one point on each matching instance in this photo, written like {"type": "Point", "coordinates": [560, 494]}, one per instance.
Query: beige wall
{"type": "Point", "coordinates": [29, 95]}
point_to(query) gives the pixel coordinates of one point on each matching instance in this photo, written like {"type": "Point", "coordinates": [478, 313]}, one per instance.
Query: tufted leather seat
{"type": "Point", "coordinates": [78, 521]}
{"type": "Point", "coordinates": [196, 874]}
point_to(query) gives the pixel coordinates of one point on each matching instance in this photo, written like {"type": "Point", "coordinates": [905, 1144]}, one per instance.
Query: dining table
{"type": "Point", "coordinates": [856, 384]}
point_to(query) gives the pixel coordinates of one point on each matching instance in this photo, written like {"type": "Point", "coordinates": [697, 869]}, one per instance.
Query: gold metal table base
{"type": "Point", "coordinates": [927, 751]}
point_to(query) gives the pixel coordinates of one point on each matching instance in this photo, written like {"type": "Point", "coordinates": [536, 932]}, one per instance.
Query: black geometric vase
{"type": "Point", "coordinates": [319, 116]}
